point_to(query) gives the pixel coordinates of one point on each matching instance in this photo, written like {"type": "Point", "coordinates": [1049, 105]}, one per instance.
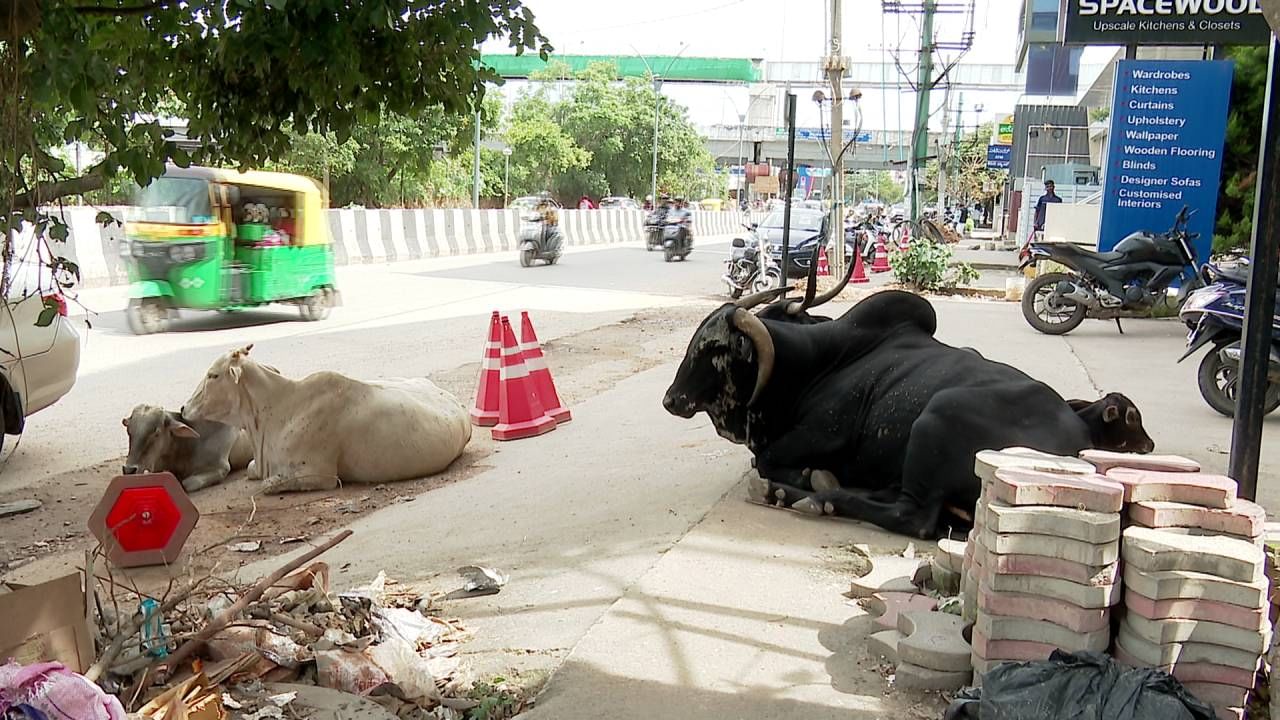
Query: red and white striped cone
{"type": "Point", "coordinates": [485, 412]}
{"type": "Point", "coordinates": [543, 385]}
{"type": "Point", "coordinates": [881, 262]}
{"type": "Point", "coordinates": [859, 273]}
{"type": "Point", "coordinates": [904, 241]}
{"type": "Point", "coordinates": [520, 415]}
{"type": "Point", "coordinates": [824, 268]}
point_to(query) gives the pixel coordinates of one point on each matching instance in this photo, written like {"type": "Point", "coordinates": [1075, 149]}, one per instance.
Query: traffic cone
{"type": "Point", "coordinates": [824, 268]}
{"type": "Point", "coordinates": [905, 240]}
{"type": "Point", "coordinates": [485, 412]}
{"type": "Point", "coordinates": [881, 262]}
{"type": "Point", "coordinates": [859, 274]}
{"type": "Point", "coordinates": [520, 415]}
{"type": "Point", "coordinates": [543, 385]}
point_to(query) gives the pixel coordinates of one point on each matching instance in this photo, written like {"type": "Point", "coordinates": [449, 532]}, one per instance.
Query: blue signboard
{"type": "Point", "coordinates": [1168, 124]}
{"type": "Point", "coordinates": [998, 156]}
{"type": "Point", "coordinates": [825, 134]}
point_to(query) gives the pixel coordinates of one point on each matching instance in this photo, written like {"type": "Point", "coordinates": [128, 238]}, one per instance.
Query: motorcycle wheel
{"type": "Point", "coordinates": [763, 282]}
{"type": "Point", "coordinates": [1218, 382]}
{"type": "Point", "coordinates": [526, 258]}
{"type": "Point", "coordinates": [1039, 314]}
{"type": "Point", "coordinates": [668, 255]}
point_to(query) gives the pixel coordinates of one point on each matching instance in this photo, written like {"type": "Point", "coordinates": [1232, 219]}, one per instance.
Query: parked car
{"type": "Point", "coordinates": [618, 203]}
{"type": "Point", "coordinates": [39, 364]}
{"type": "Point", "coordinates": [808, 227]}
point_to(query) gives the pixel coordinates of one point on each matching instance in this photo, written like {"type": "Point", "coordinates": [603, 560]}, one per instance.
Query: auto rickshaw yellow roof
{"type": "Point", "coordinates": [256, 178]}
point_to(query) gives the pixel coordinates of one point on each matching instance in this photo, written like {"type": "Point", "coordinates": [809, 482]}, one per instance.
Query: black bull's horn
{"type": "Point", "coordinates": [796, 307]}
{"type": "Point", "coordinates": [755, 299]}
{"type": "Point", "coordinates": [751, 326]}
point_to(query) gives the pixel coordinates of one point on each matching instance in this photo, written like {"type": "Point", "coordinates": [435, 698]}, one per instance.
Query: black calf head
{"type": "Point", "coordinates": [1115, 423]}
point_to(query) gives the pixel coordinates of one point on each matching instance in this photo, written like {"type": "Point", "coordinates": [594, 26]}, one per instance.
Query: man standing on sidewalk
{"type": "Point", "coordinates": [1042, 204]}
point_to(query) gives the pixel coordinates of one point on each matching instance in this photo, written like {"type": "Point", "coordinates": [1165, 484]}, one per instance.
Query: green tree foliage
{"type": "Point", "coordinates": [611, 123]}
{"type": "Point", "coordinates": [1240, 156]}
{"type": "Point", "coordinates": [246, 72]}
{"type": "Point", "coordinates": [875, 185]}
{"type": "Point", "coordinates": [966, 165]}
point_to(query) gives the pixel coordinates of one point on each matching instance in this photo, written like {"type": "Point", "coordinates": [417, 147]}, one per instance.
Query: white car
{"type": "Point", "coordinates": [618, 203]}
{"type": "Point", "coordinates": [39, 364]}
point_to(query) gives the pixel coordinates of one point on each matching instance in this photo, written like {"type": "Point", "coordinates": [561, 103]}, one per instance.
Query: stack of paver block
{"type": "Point", "coordinates": [1196, 590]}
{"type": "Point", "coordinates": [1046, 550]}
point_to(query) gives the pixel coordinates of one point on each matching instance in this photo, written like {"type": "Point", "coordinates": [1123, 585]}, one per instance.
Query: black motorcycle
{"type": "Point", "coordinates": [1125, 282]}
{"type": "Point", "coordinates": [677, 239]}
{"type": "Point", "coordinates": [750, 267]}
{"type": "Point", "coordinates": [539, 240]}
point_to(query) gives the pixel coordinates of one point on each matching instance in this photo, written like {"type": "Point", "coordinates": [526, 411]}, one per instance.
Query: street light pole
{"type": "Point", "coordinates": [475, 170]}
{"type": "Point", "coordinates": [506, 179]}
{"type": "Point", "coordinates": [657, 103]}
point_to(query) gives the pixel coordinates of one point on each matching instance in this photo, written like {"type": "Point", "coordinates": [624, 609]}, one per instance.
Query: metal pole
{"type": "Point", "coordinates": [835, 71]}
{"type": "Point", "coordinates": [924, 81]}
{"type": "Point", "coordinates": [475, 168]}
{"type": "Point", "coordinates": [1259, 306]}
{"type": "Point", "coordinates": [944, 158]}
{"type": "Point", "coordinates": [791, 176]}
{"type": "Point", "coordinates": [742, 156]}
{"type": "Point", "coordinates": [506, 180]}
{"type": "Point", "coordinates": [657, 100]}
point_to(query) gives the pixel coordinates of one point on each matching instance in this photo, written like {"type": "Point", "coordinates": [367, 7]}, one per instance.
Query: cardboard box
{"type": "Point", "coordinates": [47, 622]}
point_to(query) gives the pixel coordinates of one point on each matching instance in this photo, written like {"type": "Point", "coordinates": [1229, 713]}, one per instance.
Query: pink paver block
{"type": "Point", "coordinates": [1242, 518]}
{"type": "Point", "coordinates": [887, 605]}
{"type": "Point", "coordinates": [1055, 568]}
{"type": "Point", "coordinates": [1216, 491]}
{"type": "Point", "coordinates": [1010, 649]}
{"type": "Point", "coordinates": [1195, 672]}
{"type": "Point", "coordinates": [1208, 610]}
{"type": "Point", "coordinates": [1038, 607]}
{"type": "Point", "coordinates": [986, 462]}
{"type": "Point", "coordinates": [1105, 460]}
{"type": "Point", "coordinates": [1086, 492]}
{"type": "Point", "coordinates": [1219, 695]}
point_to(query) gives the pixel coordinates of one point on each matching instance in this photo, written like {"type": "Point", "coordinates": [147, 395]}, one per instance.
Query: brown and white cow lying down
{"type": "Point", "coordinates": [199, 453]}
{"type": "Point", "coordinates": [327, 429]}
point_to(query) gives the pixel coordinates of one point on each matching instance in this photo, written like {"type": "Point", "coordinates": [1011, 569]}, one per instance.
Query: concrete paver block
{"type": "Point", "coordinates": [1082, 525]}
{"type": "Point", "coordinates": [1022, 650]}
{"type": "Point", "coordinates": [1190, 672]}
{"type": "Point", "coordinates": [1191, 488]}
{"type": "Point", "coordinates": [986, 462]}
{"type": "Point", "coordinates": [1164, 632]}
{"type": "Point", "coordinates": [914, 677]}
{"type": "Point", "coordinates": [997, 627]}
{"type": "Point", "coordinates": [1208, 610]}
{"type": "Point", "coordinates": [1084, 596]}
{"type": "Point", "coordinates": [1039, 607]}
{"type": "Point", "coordinates": [889, 573]}
{"type": "Point", "coordinates": [887, 605]}
{"type": "Point", "coordinates": [1156, 550]}
{"type": "Point", "coordinates": [1055, 568]}
{"type": "Point", "coordinates": [1161, 654]}
{"type": "Point", "coordinates": [884, 645]}
{"type": "Point", "coordinates": [933, 640]}
{"type": "Point", "coordinates": [951, 554]}
{"type": "Point", "coordinates": [1086, 492]}
{"type": "Point", "coordinates": [1182, 584]}
{"type": "Point", "coordinates": [1243, 518]}
{"type": "Point", "coordinates": [1219, 695]}
{"type": "Point", "coordinates": [1052, 546]}
{"type": "Point", "coordinates": [1105, 460]}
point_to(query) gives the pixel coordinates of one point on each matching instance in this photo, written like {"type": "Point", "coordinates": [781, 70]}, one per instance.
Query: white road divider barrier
{"type": "Point", "coordinates": [391, 235]}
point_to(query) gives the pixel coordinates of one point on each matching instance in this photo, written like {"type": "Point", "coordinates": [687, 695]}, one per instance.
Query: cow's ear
{"type": "Point", "coordinates": [124, 422]}
{"type": "Point", "coordinates": [1111, 413]}
{"type": "Point", "coordinates": [183, 430]}
{"type": "Point", "coordinates": [1131, 417]}
{"type": "Point", "coordinates": [235, 371]}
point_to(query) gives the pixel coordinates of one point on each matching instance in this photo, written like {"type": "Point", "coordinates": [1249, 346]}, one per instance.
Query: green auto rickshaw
{"type": "Point", "coordinates": [212, 239]}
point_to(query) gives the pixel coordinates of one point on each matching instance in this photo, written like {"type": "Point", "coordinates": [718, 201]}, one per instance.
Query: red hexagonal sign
{"type": "Point", "coordinates": [143, 519]}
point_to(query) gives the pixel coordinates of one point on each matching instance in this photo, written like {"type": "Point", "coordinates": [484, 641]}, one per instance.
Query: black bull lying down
{"type": "Point", "coordinates": [868, 416]}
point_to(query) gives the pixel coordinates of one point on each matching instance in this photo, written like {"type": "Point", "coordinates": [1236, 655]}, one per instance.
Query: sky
{"type": "Point", "coordinates": [778, 30]}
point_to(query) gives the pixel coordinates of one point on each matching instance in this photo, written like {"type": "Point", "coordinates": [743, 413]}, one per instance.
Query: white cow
{"type": "Point", "coordinates": [326, 429]}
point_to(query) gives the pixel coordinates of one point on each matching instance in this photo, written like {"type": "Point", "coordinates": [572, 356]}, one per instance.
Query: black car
{"type": "Point", "coordinates": [808, 227]}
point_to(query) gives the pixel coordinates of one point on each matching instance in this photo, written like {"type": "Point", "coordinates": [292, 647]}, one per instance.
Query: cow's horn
{"type": "Point", "coordinates": [828, 295]}
{"type": "Point", "coordinates": [755, 299]}
{"type": "Point", "coordinates": [797, 307]}
{"type": "Point", "coordinates": [751, 326]}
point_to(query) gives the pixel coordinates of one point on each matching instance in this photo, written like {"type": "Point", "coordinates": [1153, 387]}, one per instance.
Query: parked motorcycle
{"type": "Point", "coordinates": [539, 240]}
{"type": "Point", "coordinates": [1125, 282]}
{"type": "Point", "coordinates": [677, 239]}
{"type": "Point", "coordinates": [750, 267]}
{"type": "Point", "coordinates": [1215, 316]}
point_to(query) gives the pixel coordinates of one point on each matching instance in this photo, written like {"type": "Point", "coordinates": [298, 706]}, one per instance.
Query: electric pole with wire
{"type": "Point", "coordinates": [835, 65]}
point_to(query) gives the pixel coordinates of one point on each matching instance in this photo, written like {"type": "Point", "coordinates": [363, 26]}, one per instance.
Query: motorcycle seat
{"type": "Point", "coordinates": [1239, 275]}
{"type": "Point", "coordinates": [1073, 249]}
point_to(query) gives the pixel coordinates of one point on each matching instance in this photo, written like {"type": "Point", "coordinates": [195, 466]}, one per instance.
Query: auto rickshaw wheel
{"type": "Point", "coordinates": [317, 305]}
{"type": "Point", "coordinates": [147, 315]}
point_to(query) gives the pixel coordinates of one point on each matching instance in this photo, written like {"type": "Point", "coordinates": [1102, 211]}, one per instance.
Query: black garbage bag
{"type": "Point", "coordinates": [1077, 686]}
